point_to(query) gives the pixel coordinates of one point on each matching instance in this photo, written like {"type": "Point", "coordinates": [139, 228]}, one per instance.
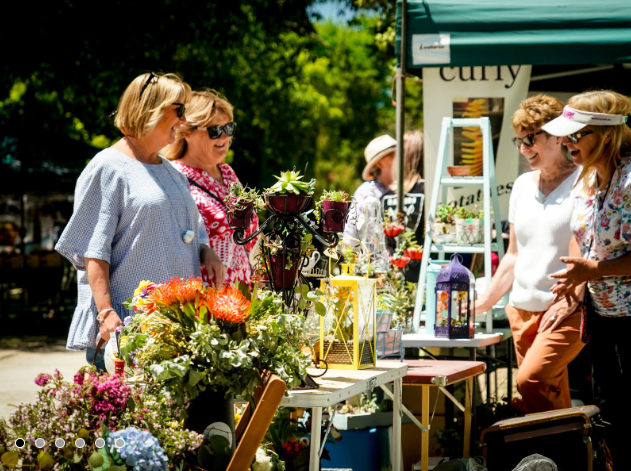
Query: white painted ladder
{"type": "Point", "coordinates": [443, 181]}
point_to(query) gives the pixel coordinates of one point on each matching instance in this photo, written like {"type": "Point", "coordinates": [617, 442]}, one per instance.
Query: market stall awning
{"type": "Point", "coordinates": [512, 32]}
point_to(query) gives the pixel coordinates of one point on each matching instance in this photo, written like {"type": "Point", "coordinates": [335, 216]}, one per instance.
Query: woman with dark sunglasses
{"type": "Point", "coordinates": [594, 129]}
{"type": "Point", "coordinates": [545, 332]}
{"type": "Point", "coordinates": [134, 218]}
{"type": "Point", "coordinates": [201, 146]}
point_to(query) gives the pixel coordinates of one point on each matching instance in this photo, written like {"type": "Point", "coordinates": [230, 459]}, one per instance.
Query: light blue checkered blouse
{"type": "Point", "coordinates": [133, 216]}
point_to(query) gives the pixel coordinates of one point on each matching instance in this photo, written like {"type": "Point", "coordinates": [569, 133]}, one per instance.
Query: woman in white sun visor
{"type": "Point", "coordinates": [595, 133]}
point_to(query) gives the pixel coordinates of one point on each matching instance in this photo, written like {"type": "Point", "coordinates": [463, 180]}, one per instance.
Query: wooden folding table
{"type": "Point", "coordinates": [438, 374]}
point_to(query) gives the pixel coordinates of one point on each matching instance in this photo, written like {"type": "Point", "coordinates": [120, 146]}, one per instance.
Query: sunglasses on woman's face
{"type": "Point", "coordinates": [577, 135]}
{"type": "Point", "coordinates": [181, 109]}
{"type": "Point", "coordinates": [215, 132]}
{"type": "Point", "coordinates": [528, 140]}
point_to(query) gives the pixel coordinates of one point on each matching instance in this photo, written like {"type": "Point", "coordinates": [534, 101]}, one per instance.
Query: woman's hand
{"type": "Point", "coordinates": [557, 313]}
{"type": "Point", "coordinates": [214, 266]}
{"type": "Point", "coordinates": [579, 271]}
{"type": "Point", "coordinates": [110, 321]}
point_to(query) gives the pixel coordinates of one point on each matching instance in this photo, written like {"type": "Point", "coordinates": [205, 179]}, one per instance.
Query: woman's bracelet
{"type": "Point", "coordinates": [99, 316]}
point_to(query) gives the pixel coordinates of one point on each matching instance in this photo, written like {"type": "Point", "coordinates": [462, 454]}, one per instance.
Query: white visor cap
{"type": "Point", "coordinates": [572, 121]}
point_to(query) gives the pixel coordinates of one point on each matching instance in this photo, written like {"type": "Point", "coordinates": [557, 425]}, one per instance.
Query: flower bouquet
{"type": "Point", "coordinates": [88, 408]}
{"type": "Point", "coordinates": [190, 337]}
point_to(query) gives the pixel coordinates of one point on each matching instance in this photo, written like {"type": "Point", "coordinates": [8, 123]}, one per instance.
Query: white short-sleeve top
{"type": "Point", "coordinates": [134, 216]}
{"type": "Point", "coordinates": [542, 228]}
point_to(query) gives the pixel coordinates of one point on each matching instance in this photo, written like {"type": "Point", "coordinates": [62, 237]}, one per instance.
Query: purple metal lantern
{"type": "Point", "coordinates": [455, 288]}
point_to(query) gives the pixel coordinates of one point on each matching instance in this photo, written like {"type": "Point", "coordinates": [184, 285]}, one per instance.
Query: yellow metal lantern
{"type": "Point", "coordinates": [348, 329]}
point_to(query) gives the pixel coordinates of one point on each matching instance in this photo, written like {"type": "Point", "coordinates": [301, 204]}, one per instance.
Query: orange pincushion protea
{"type": "Point", "coordinates": [228, 304]}
{"type": "Point", "coordinates": [177, 291]}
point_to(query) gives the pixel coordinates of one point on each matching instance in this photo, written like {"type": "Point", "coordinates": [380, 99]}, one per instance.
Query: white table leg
{"type": "Point", "coordinates": [396, 426]}
{"type": "Point", "coordinates": [316, 432]}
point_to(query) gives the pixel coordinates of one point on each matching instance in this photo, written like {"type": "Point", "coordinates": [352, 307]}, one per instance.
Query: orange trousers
{"type": "Point", "coordinates": [542, 359]}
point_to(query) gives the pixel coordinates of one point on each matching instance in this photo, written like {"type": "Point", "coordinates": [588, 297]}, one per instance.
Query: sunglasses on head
{"type": "Point", "coordinates": [528, 140]}
{"type": "Point", "coordinates": [215, 132]}
{"type": "Point", "coordinates": [181, 109]}
{"type": "Point", "coordinates": [151, 78]}
{"type": "Point", "coordinates": [577, 135]}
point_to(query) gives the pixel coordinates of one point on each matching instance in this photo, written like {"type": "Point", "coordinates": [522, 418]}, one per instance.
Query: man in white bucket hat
{"type": "Point", "coordinates": [379, 154]}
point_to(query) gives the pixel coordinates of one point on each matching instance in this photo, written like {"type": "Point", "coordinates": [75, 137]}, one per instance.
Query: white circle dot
{"type": "Point", "coordinates": [40, 442]}
{"type": "Point", "coordinates": [79, 443]}
{"type": "Point", "coordinates": [119, 443]}
{"type": "Point", "coordinates": [99, 443]}
{"type": "Point", "coordinates": [60, 443]}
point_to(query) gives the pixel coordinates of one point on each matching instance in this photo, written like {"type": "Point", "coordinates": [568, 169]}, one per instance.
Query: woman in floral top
{"type": "Point", "coordinates": [597, 137]}
{"type": "Point", "coordinates": [201, 146]}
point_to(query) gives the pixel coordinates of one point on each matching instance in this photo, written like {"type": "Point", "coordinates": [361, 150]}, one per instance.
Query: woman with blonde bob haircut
{"type": "Point", "coordinates": [134, 218]}
{"type": "Point", "coordinates": [545, 331]}
{"type": "Point", "coordinates": [201, 146]}
{"type": "Point", "coordinates": [593, 127]}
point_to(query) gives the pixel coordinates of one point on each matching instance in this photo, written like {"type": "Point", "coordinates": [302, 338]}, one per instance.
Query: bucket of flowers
{"type": "Point", "coordinates": [207, 345]}
{"type": "Point", "coordinates": [95, 406]}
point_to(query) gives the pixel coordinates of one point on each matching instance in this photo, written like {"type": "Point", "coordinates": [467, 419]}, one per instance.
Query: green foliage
{"type": "Point", "coordinates": [291, 182]}
{"type": "Point", "coordinates": [464, 213]}
{"type": "Point", "coordinates": [302, 92]}
{"type": "Point", "coordinates": [349, 254]}
{"type": "Point", "coordinates": [445, 214]}
{"type": "Point", "coordinates": [239, 196]}
{"type": "Point", "coordinates": [309, 298]}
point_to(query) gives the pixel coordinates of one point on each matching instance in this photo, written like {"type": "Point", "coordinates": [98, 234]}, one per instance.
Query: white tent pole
{"type": "Point", "coordinates": [400, 111]}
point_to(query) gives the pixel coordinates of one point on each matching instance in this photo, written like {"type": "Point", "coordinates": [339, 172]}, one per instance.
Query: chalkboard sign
{"type": "Point", "coordinates": [412, 207]}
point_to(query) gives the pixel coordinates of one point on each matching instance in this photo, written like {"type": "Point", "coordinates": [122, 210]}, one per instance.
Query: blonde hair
{"type": "Point", "coordinates": [607, 151]}
{"type": "Point", "coordinates": [143, 103]}
{"type": "Point", "coordinates": [536, 111]}
{"type": "Point", "coordinates": [412, 159]}
{"type": "Point", "coordinates": [200, 111]}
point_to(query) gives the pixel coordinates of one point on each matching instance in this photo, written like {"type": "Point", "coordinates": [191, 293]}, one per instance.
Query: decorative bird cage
{"type": "Point", "coordinates": [455, 311]}
{"type": "Point", "coordinates": [348, 328]}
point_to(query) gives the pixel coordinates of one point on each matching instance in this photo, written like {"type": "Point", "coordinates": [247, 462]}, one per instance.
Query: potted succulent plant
{"type": "Point", "coordinates": [289, 194]}
{"type": "Point", "coordinates": [241, 204]}
{"type": "Point", "coordinates": [468, 225]}
{"type": "Point", "coordinates": [410, 246]}
{"type": "Point", "coordinates": [444, 225]}
{"type": "Point", "coordinates": [399, 259]}
{"type": "Point", "coordinates": [333, 208]}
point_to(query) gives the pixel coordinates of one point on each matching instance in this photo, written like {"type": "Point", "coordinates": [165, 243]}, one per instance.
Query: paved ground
{"type": "Point", "coordinates": [22, 360]}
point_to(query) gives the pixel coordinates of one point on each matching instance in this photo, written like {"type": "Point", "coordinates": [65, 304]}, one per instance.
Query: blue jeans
{"type": "Point", "coordinates": [100, 358]}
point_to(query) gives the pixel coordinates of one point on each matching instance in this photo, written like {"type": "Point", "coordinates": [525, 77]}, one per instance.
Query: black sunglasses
{"type": "Point", "coordinates": [577, 135]}
{"type": "Point", "coordinates": [149, 80]}
{"type": "Point", "coordinates": [528, 140]}
{"type": "Point", "coordinates": [181, 109]}
{"type": "Point", "coordinates": [215, 132]}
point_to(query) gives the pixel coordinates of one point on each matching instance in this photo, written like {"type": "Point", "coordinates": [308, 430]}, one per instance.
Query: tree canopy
{"type": "Point", "coordinates": [302, 92]}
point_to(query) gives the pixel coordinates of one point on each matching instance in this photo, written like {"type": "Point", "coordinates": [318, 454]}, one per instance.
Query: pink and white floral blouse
{"type": "Point", "coordinates": [610, 231]}
{"type": "Point", "coordinates": [234, 256]}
